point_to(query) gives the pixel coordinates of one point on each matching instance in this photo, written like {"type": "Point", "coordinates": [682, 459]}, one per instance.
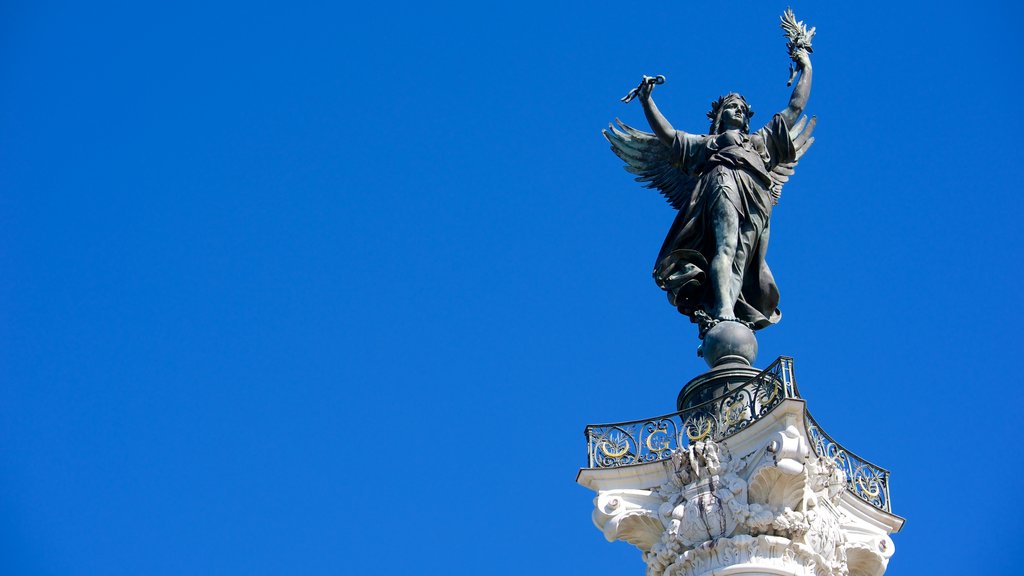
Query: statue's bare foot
{"type": "Point", "coordinates": [722, 316]}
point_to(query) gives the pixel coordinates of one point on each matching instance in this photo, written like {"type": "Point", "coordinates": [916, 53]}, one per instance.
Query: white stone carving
{"type": "Point", "coordinates": [758, 502]}
{"type": "Point", "coordinates": [627, 515]}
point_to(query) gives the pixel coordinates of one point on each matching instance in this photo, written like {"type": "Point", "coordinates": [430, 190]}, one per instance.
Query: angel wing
{"type": "Point", "coordinates": [652, 162]}
{"type": "Point", "coordinates": [802, 140]}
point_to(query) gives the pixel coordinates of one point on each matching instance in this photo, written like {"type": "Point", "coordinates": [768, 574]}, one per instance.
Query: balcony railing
{"type": "Point", "coordinates": [867, 481]}
{"type": "Point", "coordinates": [653, 439]}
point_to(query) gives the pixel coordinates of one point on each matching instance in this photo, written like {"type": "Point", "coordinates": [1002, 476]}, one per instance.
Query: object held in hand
{"type": "Point", "coordinates": [659, 79]}
{"type": "Point", "coordinates": [799, 40]}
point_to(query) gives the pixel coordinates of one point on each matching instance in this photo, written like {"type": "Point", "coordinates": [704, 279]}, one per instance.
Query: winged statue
{"type": "Point", "coordinates": [724, 185]}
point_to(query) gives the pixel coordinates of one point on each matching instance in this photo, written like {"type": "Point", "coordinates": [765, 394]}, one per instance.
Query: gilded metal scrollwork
{"type": "Point", "coordinates": [733, 412]}
{"type": "Point", "coordinates": [663, 445]}
{"type": "Point", "coordinates": [610, 454]}
{"type": "Point", "coordinates": [868, 482]}
{"type": "Point", "coordinates": [653, 439]}
{"type": "Point", "coordinates": [699, 428]}
{"type": "Point", "coordinates": [869, 487]}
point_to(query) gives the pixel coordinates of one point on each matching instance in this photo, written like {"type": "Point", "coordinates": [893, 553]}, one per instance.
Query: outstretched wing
{"type": "Point", "coordinates": [652, 162]}
{"type": "Point", "coordinates": [802, 140]}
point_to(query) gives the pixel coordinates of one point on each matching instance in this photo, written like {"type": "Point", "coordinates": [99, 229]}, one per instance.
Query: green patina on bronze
{"type": "Point", "coordinates": [724, 185]}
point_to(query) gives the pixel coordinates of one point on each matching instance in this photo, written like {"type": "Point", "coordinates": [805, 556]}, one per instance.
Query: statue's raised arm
{"type": "Point", "coordinates": [661, 126]}
{"type": "Point", "coordinates": [724, 184]}
{"type": "Point", "coordinates": [800, 49]}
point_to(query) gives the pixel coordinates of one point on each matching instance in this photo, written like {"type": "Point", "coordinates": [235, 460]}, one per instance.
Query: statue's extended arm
{"type": "Point", "coordinates": [661, 126]}
{"type": "Point", "coordinates": [802, 91]}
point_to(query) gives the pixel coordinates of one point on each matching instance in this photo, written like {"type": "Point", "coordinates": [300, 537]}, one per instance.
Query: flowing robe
{"type": "Point", "coordinates": [731, 167]}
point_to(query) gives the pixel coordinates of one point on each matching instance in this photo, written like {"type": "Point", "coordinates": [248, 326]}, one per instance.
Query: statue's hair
{"type": "Point", "coordinates": [716, 112]}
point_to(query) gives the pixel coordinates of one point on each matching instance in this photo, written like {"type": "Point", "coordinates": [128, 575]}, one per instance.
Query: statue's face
{"type": "Point", "coordinates": [734, 115]}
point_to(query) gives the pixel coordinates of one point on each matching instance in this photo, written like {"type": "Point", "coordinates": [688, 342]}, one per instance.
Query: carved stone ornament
{"type": "Point", "coordinates": [740, 480]}
{"type": "Point", "coordinates": [759, 502]}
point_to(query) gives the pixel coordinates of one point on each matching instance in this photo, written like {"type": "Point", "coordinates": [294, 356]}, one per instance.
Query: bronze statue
{"type": "Point", "coordinates": [724, 184]}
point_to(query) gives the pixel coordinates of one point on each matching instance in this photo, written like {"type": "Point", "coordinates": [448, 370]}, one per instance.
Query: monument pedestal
{"type": "Point", "coordinates": [743, 483]}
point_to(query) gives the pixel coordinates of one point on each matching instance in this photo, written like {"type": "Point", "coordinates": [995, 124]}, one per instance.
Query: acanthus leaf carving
{"type": "Point", "coordinates": [777, 505]}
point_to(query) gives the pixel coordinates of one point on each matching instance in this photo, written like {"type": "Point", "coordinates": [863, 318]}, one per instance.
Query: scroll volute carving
{"type": "Point", "coordinates": [629, 515]}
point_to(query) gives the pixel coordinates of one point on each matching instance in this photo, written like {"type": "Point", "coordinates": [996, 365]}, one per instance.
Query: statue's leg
{"type": "Point", "coordinates": [746, 238]}
{"type": "Point", "coordinates": [725, 221]}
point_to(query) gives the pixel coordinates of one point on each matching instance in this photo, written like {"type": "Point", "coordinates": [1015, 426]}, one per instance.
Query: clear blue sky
{"type": "Point", "coordinates": [308, 288]}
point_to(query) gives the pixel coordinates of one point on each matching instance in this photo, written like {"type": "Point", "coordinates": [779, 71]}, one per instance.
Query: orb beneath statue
{"type": "Point", "coordinates": [729, 343]}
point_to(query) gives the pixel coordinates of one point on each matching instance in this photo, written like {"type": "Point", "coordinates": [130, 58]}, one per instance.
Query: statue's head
{"type": "Point", "coordinates": [730, 112]}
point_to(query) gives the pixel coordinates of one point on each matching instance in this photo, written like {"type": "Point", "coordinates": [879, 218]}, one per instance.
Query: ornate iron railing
{"type": "Point", "coordinates": [641, 441]}
{"type": "Point", "coordinates": [865, 480]}
{"type": "Point", "coordinates": [653, 439]}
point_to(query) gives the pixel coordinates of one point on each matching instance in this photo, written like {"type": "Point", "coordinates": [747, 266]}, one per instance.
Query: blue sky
{"type": "Point", "coordinates": [308, 288]}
